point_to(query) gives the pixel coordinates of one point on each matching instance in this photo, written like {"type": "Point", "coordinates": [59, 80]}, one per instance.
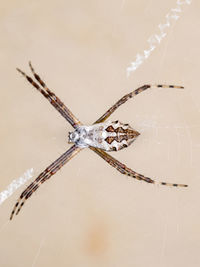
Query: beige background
{"type": "Point", "coordinates": [88, 214]}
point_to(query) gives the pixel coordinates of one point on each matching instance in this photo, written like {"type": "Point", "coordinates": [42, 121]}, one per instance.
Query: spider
{"type": "Point", "coordinates": [100, 137]}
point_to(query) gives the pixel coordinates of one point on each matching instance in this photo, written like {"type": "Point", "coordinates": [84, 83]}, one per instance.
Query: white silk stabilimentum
{"type": "Point", "coordinates": [15, 185]}
{"type": "Point", "coordinates": [155, 39]}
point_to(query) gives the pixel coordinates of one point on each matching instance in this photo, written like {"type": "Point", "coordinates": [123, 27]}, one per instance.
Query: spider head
{"type": "Point", "coordinates": [78, 137]}
{"type": "Point", "coordinates": [73, 137]}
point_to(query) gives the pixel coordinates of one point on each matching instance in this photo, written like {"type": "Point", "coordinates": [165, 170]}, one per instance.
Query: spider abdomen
{"type": "Point", "coordinates": [108, 136]}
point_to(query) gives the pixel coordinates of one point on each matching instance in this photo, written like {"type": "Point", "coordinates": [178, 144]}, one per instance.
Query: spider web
{"type": "Point", "coordinates": [145, 123]}
{"type": "Point", "coordinates": [152, 43]}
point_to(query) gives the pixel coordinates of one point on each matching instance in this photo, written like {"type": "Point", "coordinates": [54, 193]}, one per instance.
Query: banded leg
{"type": "Point", "coordinates": [45, 175]}
{"type": "Point", "coordinates": [52, 98]}
{"type": "Point", "coordinates": [127, 171]}
{"type": "Point", "coordinates": [130, 95]}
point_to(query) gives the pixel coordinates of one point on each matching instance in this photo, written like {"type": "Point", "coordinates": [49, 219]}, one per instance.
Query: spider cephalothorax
{"type": "Point", "coordinates": [108, 136]}
{"type": "Point", "coordinates": [100, 137]}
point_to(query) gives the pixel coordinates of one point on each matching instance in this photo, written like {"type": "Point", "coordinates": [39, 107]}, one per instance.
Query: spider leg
{"type": "Point", "coordinates": [45, 175]}
{"type": "Point", "coordinates": [127, 171]}
{"type": "Point", "coordinates": [52, 98]}
{"type": "Point", "coordinates": [130, 95]}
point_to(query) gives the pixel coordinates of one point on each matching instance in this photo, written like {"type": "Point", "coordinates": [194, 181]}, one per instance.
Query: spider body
{"type": "Point", "coordinates": [100, 137]}
{"type": "Point", "coordinates": [108, 136]}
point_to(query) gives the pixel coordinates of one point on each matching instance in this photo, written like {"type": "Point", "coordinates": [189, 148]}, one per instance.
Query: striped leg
{"type": "Point", "coordinates": [52, 98]}
{"type": "Point", "coordinates": [130, 95]}
{"type": "Point", "coordinates": [125, 170]}
{"type": "Point", "coordinates": [45, 175]}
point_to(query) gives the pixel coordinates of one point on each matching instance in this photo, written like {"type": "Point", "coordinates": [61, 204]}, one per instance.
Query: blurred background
{"type": "Point", "coordinates": [88, 214]}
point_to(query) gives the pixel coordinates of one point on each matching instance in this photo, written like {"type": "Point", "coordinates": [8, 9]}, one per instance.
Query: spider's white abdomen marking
{"type": "Point", "coordinates": [107, 136]}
